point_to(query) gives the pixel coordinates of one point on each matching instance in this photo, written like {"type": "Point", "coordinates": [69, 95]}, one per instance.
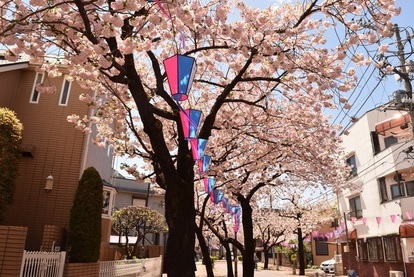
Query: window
{"type": "Point", "coordinates": [108, 202]}
{"type": "Point", "coordinates": [383, 189]}
{"type": "Point", "coordinates": [390, 141]}
{"type": "Point", "coordinates": [355, 207]}
{"type": "Point", "coordinates": [397, 190]}
{"type": "Point", "coordinates": [375, 143]}
{"type": "Point", "coordinates": [34, 98]}
{"type": "Point", "coordinates": [409, 186]}
{"type": "Point", "coordinates": [138, 202]}
{"type": "Point", "coordinates": [321, 246]}
{"type": "Point", "coordinates": [362, 250]}
{"type": "Point", "coordinates": [64, 94]}
{"type": "Point", "coordinates": [351, 161]}
{"type": "Point", "coordinates": [374, 246]}
{"type": "Point", "coordinates": [392, 248]}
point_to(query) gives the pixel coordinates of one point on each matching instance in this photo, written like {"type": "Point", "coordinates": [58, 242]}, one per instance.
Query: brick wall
{"type": "Point", "coordinates": [52, 236]}
{"type": "Point", "coordinates": [371, 269]}
{"type": "Point", "coordinates": [12, 241]}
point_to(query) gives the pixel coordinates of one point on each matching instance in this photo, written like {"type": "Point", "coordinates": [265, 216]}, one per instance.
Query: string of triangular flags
{"type": "Point", "coordinates": [338, 231]}
{"type": "Point", "coordinates": [180, 72]}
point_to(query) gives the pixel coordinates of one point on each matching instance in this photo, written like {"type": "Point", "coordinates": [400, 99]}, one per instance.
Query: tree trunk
{"type": "Point", "coordinates": [229, 260]}
{"type": "Point", "coordinates": [249, 246]}
{"type": "Point", "coordinates": [301, 253]}
{"type": "Point", "coordinates": [205, 252]}
{"type": "Point", "coordinates": [180, 215]}
{"type": "Point", "coordinates": [266, 256]}
{"type": "Point", "coordinates": [175, 176]}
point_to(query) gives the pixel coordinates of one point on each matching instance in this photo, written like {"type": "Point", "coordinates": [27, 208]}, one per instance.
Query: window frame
{"type": "Point", "coordinates": [351, 161]}
{"type": "Point", "coordinates": [390, 141]}
{"type": "Point", "coordinates": [65, 91]}
{"type": "Point", "coordinates": [362, 250]}
{"type": "Point", "coordinates": [35, 95]}
{"type": "Point", "coordinates": [407, 184]}
{"type": "Point", "coordinates": [321, 247]}
{"type": "Point", "coordinates": [376, 146]}
{"type": "Point", "coordinates": [375, 246]}
{"type": "Point", "coordinates": [136, 201]}
{"type": "Point", "coordinates": [392, 248]}
{"type": "Point", "coordinates": [353, 209]}
{"type": "Point", "coordinates": [383, 189]}
{"type": "Point", "coordinates": [401, 190]}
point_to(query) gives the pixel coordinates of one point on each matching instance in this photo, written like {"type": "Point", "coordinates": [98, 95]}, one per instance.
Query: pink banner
{"type": "Point", "coordinates": [364, 221]}
{"type": "Point", "coordinates": [393, 218]}
{"type": "Point", "coordinates": [379, 219]}
{"type": "Point", "coordinates": [353, 220]}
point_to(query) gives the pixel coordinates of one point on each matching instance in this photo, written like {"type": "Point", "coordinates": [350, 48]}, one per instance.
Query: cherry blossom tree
{"type": "Point", "coordinates": [271, 229]}
{"type": "Point", "coordinates": [305, 216]}
{"type": "Point", "coordinates": [272, 65]}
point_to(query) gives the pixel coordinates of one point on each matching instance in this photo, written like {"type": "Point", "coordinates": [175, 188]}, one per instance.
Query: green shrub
{"type": "Point", "coordinates": [85, 218]}
{"type": "Point", "coordinates": [10, 138]}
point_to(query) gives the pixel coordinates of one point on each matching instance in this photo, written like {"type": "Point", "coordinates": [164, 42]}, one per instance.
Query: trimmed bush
{"type": "Point", "coordinates": [85, 219]}
{"type": "Point", "coordinates": [10, 138]}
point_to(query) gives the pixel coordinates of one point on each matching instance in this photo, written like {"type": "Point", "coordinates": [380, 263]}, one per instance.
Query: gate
{"type": "Point", "coordinates": [42, 264]}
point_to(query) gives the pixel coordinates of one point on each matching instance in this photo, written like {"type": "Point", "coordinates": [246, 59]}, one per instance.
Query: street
{"type": "Point", "coordinates": [220, 270]}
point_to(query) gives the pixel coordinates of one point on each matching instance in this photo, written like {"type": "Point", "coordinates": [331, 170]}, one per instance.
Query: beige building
{"type": "Point", "coordinates": [380, 205]}
{"type": "Point", "coordinates": [52, 149]}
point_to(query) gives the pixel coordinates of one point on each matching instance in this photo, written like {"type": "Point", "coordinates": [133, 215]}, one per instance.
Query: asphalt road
{"type": "Point", "coordinates": [220, 270]}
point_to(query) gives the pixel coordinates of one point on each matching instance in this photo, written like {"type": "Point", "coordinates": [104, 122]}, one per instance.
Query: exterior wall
{"type": "Point", "coordinates": [127, 190]}
{"type": "Point", "coordinates": [58, 151]}
{"type": "Point", "coordinates": [376, 218]}
{"type": "Point", "coordinates": [98, 157]}
{"type": "Point", "coordinates": [334, 246]}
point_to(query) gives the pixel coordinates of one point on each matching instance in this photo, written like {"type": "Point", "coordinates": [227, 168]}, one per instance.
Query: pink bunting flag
{"type": "Point", "coordinates": [353, 220]}
{"type": "Point", "coordinates": [364, 221]}
{"type": "Point", "coordinates": [379, 219]}
{"type": "Point", "coordinates": [315, 234]}
{"type": "Point", "coordinates": [409, 214]}
{"type": "Point", "coordinates": [393, 218]}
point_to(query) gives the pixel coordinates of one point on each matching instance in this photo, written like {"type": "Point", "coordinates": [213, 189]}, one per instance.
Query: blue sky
{"type": "Point", "coordinates": [373, 93]}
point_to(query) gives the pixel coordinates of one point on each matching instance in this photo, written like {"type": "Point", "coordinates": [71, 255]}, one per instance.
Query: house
{"type": "Point", "coordinates": [54, 153]}
{"type": "Point", "coordinates": [378, 206]}
{"type": "Point", "coordinates": [130, 192]}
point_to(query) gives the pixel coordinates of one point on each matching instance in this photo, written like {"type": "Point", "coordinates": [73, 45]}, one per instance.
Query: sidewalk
{"type": "Point", "coordinates": [220, 270]}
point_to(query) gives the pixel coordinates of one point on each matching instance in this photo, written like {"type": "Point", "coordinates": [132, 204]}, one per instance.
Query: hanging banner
{"type": "Point", "coordinates": [190, 120]}
{"type": "Point", "coordinates": [197, 148]}
{"type": "Point", "coordinates": [203, 164]}
{"type": "Point", "coordinates": [364, 221]}
{"type": "Point", "coordinates": [208, 184]}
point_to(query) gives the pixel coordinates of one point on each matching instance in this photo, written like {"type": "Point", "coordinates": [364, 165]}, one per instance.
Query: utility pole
{"type": "Point", "coordinates": [404, 74]}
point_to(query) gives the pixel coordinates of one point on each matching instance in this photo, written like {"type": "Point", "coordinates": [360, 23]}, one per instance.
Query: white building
{"type": "Point", "coordinates": [379, 207]}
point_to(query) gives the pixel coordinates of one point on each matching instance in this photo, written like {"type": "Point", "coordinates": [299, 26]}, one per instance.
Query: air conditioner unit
{"type": "Point", "coordinates": [396, 274]}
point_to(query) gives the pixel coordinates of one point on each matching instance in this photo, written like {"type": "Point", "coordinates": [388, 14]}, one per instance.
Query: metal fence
{"type": "Point", "coordinates": [42, 264]}
{"type": "Point", "coordinates": [151, 267]}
